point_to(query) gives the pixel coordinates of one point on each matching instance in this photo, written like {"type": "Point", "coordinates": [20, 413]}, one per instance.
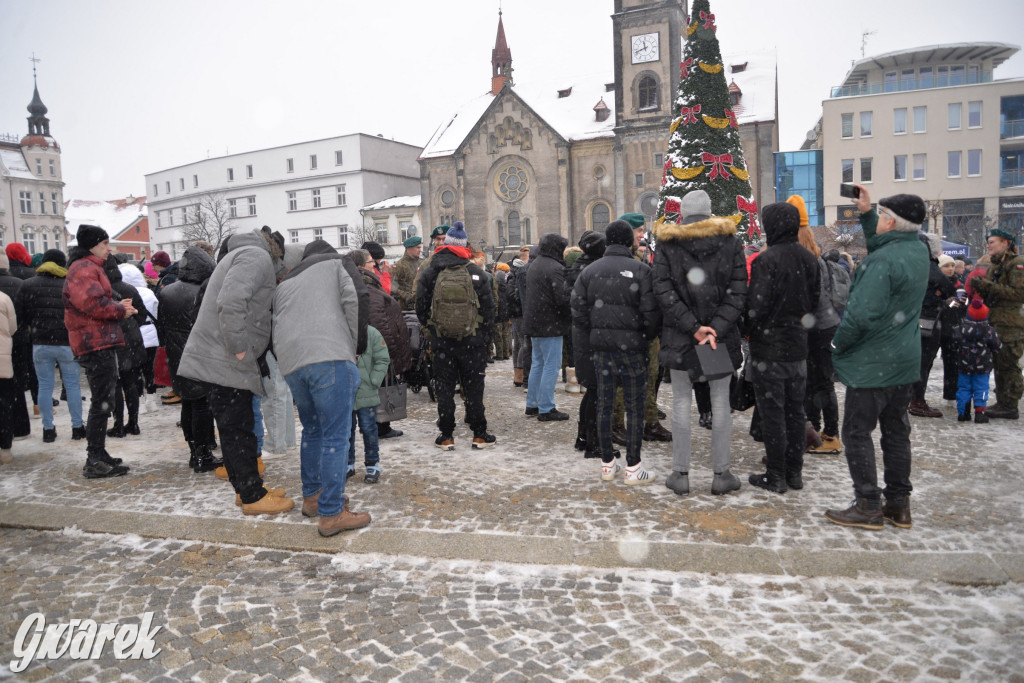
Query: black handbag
{"type": "Point", "coordinates": [741, 396]}
{"type": "Point", "coordinates": [392, 399]}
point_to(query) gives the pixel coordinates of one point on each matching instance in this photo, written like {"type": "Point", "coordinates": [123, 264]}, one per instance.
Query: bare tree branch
{"type": "Point", "coordinates": [210, 220]}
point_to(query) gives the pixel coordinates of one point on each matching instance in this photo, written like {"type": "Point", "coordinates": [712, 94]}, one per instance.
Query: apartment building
{"type": "Point", "coordinates": [935, 122]}
{"type": "Point", "coordinates": [307, 191]}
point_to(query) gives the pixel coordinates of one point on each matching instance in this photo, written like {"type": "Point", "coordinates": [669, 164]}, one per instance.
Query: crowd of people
{"type": "Point", "coordinates": [728, 324]}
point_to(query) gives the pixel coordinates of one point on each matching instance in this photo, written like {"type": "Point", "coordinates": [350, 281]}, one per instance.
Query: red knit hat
{"type": "Point", "coordinates": [16, 251]}
{"type": "Point", "coordinates": [977, 310]}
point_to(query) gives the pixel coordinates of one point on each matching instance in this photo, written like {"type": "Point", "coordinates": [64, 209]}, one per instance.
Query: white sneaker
{"type": "Point", "coordinates": [609, 470]}
{"type": "Point", "coordinates": [638, 475]}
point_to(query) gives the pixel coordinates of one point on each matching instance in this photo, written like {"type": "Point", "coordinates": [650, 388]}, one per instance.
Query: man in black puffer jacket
{"type": "Point", "coordinates": [614, 308]}
{"type": "Point", "coordinates": [179, 306]}
{"type": "Point", "coordinates": [785, 285]}
{"type": "Point", "coordinates": [546, 316]}
{"type": "Point", "coordinates": [593, 246]}
{"type": "Point", "coordinates": [940, 288]}
{"type": "Point", "coordinates": [41, 299]}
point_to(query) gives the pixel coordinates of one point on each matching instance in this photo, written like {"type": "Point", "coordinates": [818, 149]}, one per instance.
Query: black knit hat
{"type": "Point", "coordinates": [619, 232]}
{"type": "Point", "coordinates": [909, 207]}
{"type": "Point", "coordinates": [90, 235]}
{"type": "Point", "coordinates": [593, 244]}
{"type": "Point", "coordinates": [375, 250]}
{"type": "Point", "coordinates": [55, 256]}
{"type": "Point", "coordinates": [781, 218]}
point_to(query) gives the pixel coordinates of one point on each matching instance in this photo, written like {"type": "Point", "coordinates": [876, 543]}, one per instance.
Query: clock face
{"type": "Point", "coordinates": [645, 48]}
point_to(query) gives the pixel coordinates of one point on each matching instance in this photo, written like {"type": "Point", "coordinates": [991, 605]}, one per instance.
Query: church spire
{"type": "Point", "coordinates": [38, 124]}
{"type": "Point", "coordinates": [501, 60]}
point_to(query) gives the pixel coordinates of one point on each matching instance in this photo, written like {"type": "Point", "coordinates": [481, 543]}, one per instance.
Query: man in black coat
{"type": "Point", "coordinates": [785, 284]}
{"type": "Point", "coordinates": [593, 246]}
{"type": "Point", "coordinates": [546, 317]}
{"type": "Point", "coordinates": [458, 359]}
{"type": "Point", "coordinates": [940, 289]}
{"type": "Point", "coordinates": [614, 309]}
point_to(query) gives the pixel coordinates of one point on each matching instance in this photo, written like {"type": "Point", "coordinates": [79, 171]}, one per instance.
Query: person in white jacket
{"type": "Point", "coordinates": [133, 276]}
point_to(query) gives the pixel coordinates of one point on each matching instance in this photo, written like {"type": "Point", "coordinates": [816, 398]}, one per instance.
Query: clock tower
{"type": "Point", "coordinates": [647, 49]}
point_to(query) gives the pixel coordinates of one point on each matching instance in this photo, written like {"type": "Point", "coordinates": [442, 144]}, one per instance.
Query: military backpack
{"type": "Point", "coordinates": [455, 308]}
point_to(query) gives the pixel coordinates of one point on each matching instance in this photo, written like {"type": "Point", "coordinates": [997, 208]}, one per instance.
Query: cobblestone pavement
{"type": "Point", "coordinates": [233, 613]}
{"type": "Point", "coordinates": [517, 562]}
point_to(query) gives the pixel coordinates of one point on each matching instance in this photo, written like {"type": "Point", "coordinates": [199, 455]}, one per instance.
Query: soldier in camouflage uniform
{"type": "Point", "coordinates": [1003, 289]}
{"type": "Point", "coordinates": [437, 236]}
{"type": "Point", "coordinates": [404, 274]}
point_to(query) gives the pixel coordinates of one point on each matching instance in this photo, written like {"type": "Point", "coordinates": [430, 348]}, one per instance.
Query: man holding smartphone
{"type": "Point", "coordinates": [876, 352]}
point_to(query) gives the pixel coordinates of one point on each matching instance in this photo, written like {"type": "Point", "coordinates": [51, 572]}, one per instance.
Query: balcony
{"type": "Point", "coordinates": [907, 85]}
{"type": "Point", "coordinates": [1012, 178]}
{"type": "Point", "coordinates": [1011, 129]}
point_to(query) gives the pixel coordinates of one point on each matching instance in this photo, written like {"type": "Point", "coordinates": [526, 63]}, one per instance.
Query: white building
{"type": "Point", "coordinates": [931, 121]}
{"type": "Point", "coordinates": [308, 190]}
{"type": "Point", "coordinates": [390, 222]}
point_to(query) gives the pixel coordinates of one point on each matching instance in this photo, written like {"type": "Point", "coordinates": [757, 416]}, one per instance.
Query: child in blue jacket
{"type": "Point", "coordinates": [977, 341]}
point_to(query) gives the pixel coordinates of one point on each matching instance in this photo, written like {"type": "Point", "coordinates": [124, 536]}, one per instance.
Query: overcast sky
{"type": "Point", "coordinates": [136, 87]}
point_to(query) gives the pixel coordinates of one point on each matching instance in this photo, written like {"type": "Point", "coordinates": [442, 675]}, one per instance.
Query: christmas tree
{"type": "Point", "coordinates": [704, 150]}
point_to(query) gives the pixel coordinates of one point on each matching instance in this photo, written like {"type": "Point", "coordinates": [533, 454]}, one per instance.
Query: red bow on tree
{"type": "Point", "coordinates": [664, 175]}
{"type": "Point", "coordinates": [718, 164]}
{"type": "Point", "coordinates": [709, 20]}
{"type": "Point", "coordinates": [684, 68]}
{"type": "Point", "coordinates": [672, 206]}
{"type": "Point", "coordinates": [732, 118]}
{"type": "Point", "coordinates": [689, 114]}
{"type": "Point", "coordinates": [751, 208]}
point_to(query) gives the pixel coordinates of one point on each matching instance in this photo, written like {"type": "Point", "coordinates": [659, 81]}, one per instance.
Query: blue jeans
{"type": "Point", "coordinates": [257, 421]}
{"type": "Point", "coordinates": [324, 394]}
{"type": "Point", "coordinates": [973, 387]}
{"type": "Point", "coordinates": [44, 357]}
{"type": "Point", "coordinates": [367, 419]}
{"type": "Point", "coordinates": [546, 362]}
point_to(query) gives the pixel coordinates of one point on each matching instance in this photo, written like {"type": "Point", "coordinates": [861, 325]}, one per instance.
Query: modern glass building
{"type": "Point", "coordinates": [801, 173]}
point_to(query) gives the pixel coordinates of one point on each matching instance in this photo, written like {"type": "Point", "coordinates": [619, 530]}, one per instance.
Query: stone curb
{"type": "Point", "coordinates": [966, 568]}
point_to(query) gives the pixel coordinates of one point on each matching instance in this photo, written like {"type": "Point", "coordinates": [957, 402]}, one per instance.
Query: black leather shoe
{"type": "Point", "coordinates": [532, 412]}
{"type": "Point", "coordinates": [392, 434]}
{"type": "Point", "coordinates": [768, 483]}
{"type": "Point", "coordinates": [553, 416]}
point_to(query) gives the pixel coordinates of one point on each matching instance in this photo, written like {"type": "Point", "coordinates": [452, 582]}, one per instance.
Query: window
{"type": "Point", "coordinates": [232, 208]}
{"type": "Point", "coordinates": [42, 203]}
{"type": "Point", "coordinates": [341, 195]}
{"type": "Point", "coordinates": [53, 168]}
{"type": "Point", "coordinates": [600, 216]}
{"type": "Point", "coordinates": [343, 236]}
{"type": "Point", "coordinates": [316, 198]}
{"type": "Point", "coordinates": [865, 124]}
{"type": "Point", "coordinates": [54, 202]}
{"type": "Point", "coordinates": [865, 170]}
{"type": "Point", "coordinates": [891, 81]}
{"type": "Point", "coordinates": [920, 119]}
{"type": "Point", "coordinates": [907, 79]}
{"type": "Point", "coordinates": [155, 193]}
{"type": "Point", "coordinates": [847, 125]}
{"type": "Point", "coordinates": [293, 203]}
{"type": "Point", "coordinates": [973, 162]}
{"type": "Point", "coordinates": [293, 236]}
{"type": "Point", "coordinates": [290, 165]}
{"type": "Point", "coordinates": [953, 164]}
{"type": "Point", "coordinates": [920, 164]}
{"type": "Point", "coordinates": [252, 206]}
{"type": "Point", "coordinates": [924, 77]}
{"type": "Point", "coordinates": [337, 157]}
{"type": "Point", "coordinates": [167, 187]}
{"type": "Point", "coordinates": [638, 180]}
{"type": "Point", "coordinates": [231, 175]}
{"type": "Point", "coordinates": [899, 121]}
{"type": "Point", "coordinates": [159, 219]}
{"type": "Point", "coordinates": [847, 170]}
{"type": "Point", "coordinates": [29, 240]}
{"type": "Point", "coordinates": [647, 91]}
{"type": "Point", "coordinates": [974, 114]}
{"type": "Point", "coordinates": [181, 183]}
{"type": "Point", "coordinates": [382, 232]}
{"type": "Point", "coordinates": [318, 234]}
{"type": "Point", "coordinates": [312, 162]}
{"type": "Point", "coordinates": [953, 116]}
{"type": "Point", "coordinates": [900, 167]}
{"type": "Point", "coordinates": [248, 170]}
{"type": "Point", "coordinates": [39, 167]}
{"type": "Point", "coordinates": [25, 198]}
{"type": "Point", "coordinates": [956, 75]}
{"type": "Point", "coordinates": [973, 73]}
{"type": "Point", "coordinates": [659, 161]}
{"type": "Point", "coordinates": [404, 227]}
{"type": "Point", "coordinates": [195, 181]}
{"type": "Point", "coordinates": [184, 216]}
{"type": "Point", "coordinates": [515, 235]}
{"type": "Point", "coordinates": [46, 241]}
{"type": "Point", "coordinates": [941, 76]}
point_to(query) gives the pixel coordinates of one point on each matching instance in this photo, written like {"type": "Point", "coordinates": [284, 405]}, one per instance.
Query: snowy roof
{"type": "Point", "coordinates": [14, 164]}
{"type": "Point", "coordinates": [113, 216]}
{"type": "Point", "coordinates": [756, 83]}
{"type": "Point", "coordinates": [394, 203]}
{"type": "Point", "coordinates": [450, 134]}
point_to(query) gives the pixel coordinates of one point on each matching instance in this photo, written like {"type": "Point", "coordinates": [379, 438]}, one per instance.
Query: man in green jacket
{"type": "Point", "coordinates": [1003, 289]}
{"type": "Point", "coordinates": [877, 354]}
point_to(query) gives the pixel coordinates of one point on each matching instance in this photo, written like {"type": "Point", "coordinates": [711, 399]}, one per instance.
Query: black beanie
{"type": "Point", "coordinates": [909, 207]}
{"type": "Point", "coordinates": [781, 218]}
{"type": "Point", "coordinates": [619, 232]}
{"type": "Point", "coordinates": [375, 250]}
{"type": "Point", "coordinates": [90, 235]}
{"type": "Point", "coordinates": [593, 244]}
{"type": "Point", "coordinates": [55, 256]}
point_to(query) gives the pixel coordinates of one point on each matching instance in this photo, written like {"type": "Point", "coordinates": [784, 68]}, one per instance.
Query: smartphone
{"type": "Point", "coordinates": [851, 191]}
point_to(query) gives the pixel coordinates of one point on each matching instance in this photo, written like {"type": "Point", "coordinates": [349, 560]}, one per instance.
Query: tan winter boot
{"type": "Point", "coordinates": [517, 377]}
{"type": "Point", "coordinates": [277, 493]}
{"type": "Point", "coordinates": [572, 385]}
{"type": "Point", "coordinates": [268, 505]}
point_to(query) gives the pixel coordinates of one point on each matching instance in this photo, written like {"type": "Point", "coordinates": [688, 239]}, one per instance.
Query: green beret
{"type": "Point", "coordinates": [440, 231]}
{"type": "Point", "coordinates": [999, 232]}
{"type": "Point", "coordinates": [413, 241]}
{"type": "Point", "coordinates": [636, 220]}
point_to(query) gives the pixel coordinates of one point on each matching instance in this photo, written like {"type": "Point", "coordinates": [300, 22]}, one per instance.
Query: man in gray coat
{"type": "Point", "coordinates": [231, 333]}
{"type": "Point", "coordinates": [321, 311]}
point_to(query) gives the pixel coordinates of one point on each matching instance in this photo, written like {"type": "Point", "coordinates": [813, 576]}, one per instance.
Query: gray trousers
{"type": "Point", "coordinates": [721, 426]}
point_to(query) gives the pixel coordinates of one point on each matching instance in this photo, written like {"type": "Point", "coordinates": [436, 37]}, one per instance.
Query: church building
{"type": "Point", "coordinates": [524, 159]}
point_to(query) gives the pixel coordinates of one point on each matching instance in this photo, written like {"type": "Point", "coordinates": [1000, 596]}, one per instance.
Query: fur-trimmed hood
{"type": "Point", "coordinates": [934, 244]}
{"type": "Point", "coordinates": [709, 227]}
